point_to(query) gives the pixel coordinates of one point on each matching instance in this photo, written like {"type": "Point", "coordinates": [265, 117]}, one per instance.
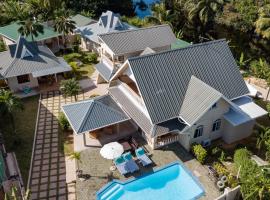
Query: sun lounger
{"type": "Point", "coordinates": [144, 159]}
{"type": "Point", "coordinates": [120, 164]}
{"type": "Point", "coordinates": [130, 163]}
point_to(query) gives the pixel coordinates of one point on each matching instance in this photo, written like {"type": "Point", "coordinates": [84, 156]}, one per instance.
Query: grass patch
{"type": "Point", "coordinates": [86, 71]}
{"type": "Point", "coordinates": [66, 141]}
{"type": "Point", "coordinates": [25, 122]}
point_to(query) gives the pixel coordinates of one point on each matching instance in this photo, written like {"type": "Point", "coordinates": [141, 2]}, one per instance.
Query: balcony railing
{"type": "Point", "coordinates": [165, 140]}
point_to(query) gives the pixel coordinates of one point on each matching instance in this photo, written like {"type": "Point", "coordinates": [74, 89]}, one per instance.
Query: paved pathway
{"type": "Point", "coordinates": [48, 174]}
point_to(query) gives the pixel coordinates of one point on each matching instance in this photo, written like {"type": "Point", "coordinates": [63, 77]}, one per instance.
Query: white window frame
{"type": "Point", "coordinates": [198, 131]}
{"type": "Point", "coordinates": [216, 125]}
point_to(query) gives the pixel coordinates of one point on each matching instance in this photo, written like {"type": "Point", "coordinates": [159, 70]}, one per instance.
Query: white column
{"type": "Point", "coordinates": [55, 75]}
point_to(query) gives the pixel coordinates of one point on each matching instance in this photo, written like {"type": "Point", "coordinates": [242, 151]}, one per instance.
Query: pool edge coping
{"type": "Point", "coordinates": [196, 179]}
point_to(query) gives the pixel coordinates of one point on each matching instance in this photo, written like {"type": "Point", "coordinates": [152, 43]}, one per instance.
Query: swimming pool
{"type": "Point", "coordinates": [172, 182]}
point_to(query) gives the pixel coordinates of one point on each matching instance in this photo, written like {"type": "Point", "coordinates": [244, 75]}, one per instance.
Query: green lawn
{"type": "Point", "coordinates": [25, 125]}
{"type": "Point", "coordinates": [86, 70]}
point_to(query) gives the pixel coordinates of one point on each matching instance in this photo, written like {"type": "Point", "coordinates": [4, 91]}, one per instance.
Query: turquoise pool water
{"type": "Point", "coordinates": [172, 182]}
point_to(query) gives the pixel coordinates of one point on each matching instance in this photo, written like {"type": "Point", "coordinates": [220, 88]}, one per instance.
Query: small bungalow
{"type": "Point", "coordinates": [25, 65]}
{"type": "Point", "coordinates": [49, 37]}
{"type": "Point", "coordinates": [108, 22]}
{"type": "Point", "coordinates": [194, 94]}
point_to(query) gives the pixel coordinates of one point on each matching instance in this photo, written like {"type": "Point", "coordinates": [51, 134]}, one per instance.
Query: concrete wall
{"type": "Point", "coordinates": [234, 133]}
{"type": "Point", "coordinates": [15, 86]}
{"type": "Point", "coordinates": [230, 194]}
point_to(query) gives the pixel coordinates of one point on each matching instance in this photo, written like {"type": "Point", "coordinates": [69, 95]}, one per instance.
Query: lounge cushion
{"type": "Point", "coordinates": [140, 152]}
{"type": "Point", "coordinates": [119, 160]}
{"type": "Point", "coordinates": [127, 156]}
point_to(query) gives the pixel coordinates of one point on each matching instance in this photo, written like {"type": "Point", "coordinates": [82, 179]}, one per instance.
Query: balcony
{"type": "Point", "coordinates": [167, 139]}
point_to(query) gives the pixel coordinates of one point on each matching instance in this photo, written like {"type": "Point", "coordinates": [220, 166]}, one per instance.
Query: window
{"type": "Point", "coordinates": [214, 106]}
{"type": "Point", "coordinates": [216, 125]}
{"type": "Point", "coordinates": [23, 79]}
{"type": "Point", "coordinates": [198, 131]}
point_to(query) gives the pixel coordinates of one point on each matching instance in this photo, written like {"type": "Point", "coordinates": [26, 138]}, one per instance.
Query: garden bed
{"type": "Point", "coordinates": [25, 122]}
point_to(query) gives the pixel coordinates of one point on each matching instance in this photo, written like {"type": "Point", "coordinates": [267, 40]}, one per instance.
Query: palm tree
{"type": "Point", "coordinates": [30, 27]}
{"type": "Point", "coordinates": [204, 11]}
{"type": "Point", "coordinates": [160, 15]}
{"type": "Point", "coordinates": [63, 24]}
{"type": "Point", "coordinates": [70, 88]}
{"type": "Point", "coordinates": [263, 23]}
{"type": "Point", "coordinates": [9, 103]}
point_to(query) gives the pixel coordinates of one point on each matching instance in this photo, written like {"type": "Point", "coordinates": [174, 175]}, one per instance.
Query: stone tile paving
{"type": "Point", "coordinates": [98, 171]}
{"type": "Point", "coordinates": [48, 174]}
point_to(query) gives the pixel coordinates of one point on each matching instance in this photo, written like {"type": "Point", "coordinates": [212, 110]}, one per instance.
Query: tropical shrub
{"type": "Point", "coordinates": [268, 108]}
{"type": "Point", "coordinates": [72, 57]}
{"type": "Point", "coordinates": [222, 156]}
{"type": "Point", "coordinates": [90, 58]}
{"type": "Point", "coordinates": [75, 69]}
{"type": "Point", "coordinates": [199, 152]}
{"type": "Point", "coordinates": [216, 151]}
{"type": "Point", "coordinates": [254, 183]}
{"type": "Point", "coordinates": [64, 124]}
{"type": "Point", "coordinates": [260, 68]}
{"type": "Point", "coordinates": [221, 170]}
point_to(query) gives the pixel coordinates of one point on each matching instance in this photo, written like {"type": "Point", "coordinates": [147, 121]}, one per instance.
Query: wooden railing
{"type": "Point", "coordinates": [165, 140]}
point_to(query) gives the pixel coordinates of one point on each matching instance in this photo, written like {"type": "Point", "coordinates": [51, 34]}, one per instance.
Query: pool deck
{"type": "Point", "coordinates": [98, 169]}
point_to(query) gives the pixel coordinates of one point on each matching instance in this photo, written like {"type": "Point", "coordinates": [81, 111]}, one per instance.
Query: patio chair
{"type": "Point", "coordinates": [144, 159]}
{"type": "Point", "coordinates": [130, 163]}
{"type": "Point", "coordinates": [120, 164]}
{"type": "Point", "coordinates": [26, 90]}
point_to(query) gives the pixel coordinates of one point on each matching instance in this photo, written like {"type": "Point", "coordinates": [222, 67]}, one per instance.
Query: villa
{"type": "Point", "coordinates": [108, 22]}
{"type": "Point", "coordinates": [186, 95]}
{"type": "Point", "coordinates": [27, 65]}
{"type": "Point", "coordinates": [49, 37]}
{"type": "Point", "coordinates": [117, 47]}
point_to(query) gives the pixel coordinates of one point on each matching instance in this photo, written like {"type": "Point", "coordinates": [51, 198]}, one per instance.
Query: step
{"type": "Point", "coordinates": [109, 191]}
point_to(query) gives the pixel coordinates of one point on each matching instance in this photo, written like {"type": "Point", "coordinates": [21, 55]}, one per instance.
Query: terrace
{"type": "Point", "coordinates": [99, 173]}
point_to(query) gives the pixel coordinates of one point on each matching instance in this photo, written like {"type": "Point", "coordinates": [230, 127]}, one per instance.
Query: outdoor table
{"type": "Point", "coordinates": [126, 146]}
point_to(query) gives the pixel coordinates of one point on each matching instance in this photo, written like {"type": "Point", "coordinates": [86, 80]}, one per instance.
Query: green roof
{"type": "Point", "coordinates": [81, 20]}
{"type": "Point", "coordinates": [179, 44]}
{"type": "Point", "coordinates": [2, 169]}
{"type": "Point", "coordinates": [11, 31]}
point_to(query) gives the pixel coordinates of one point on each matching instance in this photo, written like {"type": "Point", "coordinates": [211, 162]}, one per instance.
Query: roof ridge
{"type": "Point", "coordinates": [85, 116]}
{"type": "Point", "coordinates": [180, 49]}
{"type": "Point", "coordinates": [109, 108]}
{"type": "Point", "coordinates": [133, 30]}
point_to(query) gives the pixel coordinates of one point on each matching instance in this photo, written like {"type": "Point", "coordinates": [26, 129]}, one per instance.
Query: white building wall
{"type": "Point", "coordinates": [15, 86]}
{"type": "Point", "coordinates": [235, 133]}
{"type": "Point", "coordinates": [207, 121]}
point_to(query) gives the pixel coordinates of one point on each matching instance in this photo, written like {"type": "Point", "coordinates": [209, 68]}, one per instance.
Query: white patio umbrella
{"type": "Point", "coordinates": [111, 150]}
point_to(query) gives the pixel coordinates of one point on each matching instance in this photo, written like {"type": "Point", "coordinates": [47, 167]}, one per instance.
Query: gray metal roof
{"type": "Point", "coordinates": [15, 61]}
{"type": "Point", "coordinates": [163, 78]}
{"type": "Point", "coordinates": [93, 114]}
{"type": "Point", "coordinates": [105, 71]}
{"type": "Point", "coordinates": [138, 39]}
{"type": "Point", "coordinates": [199, 97]}
{"type": "Point", "coordinates": [142, 121]}
{"type": "Point", "coordinates": [108, 22]}
{"type": "Point", "coordinates": [147, 51]}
